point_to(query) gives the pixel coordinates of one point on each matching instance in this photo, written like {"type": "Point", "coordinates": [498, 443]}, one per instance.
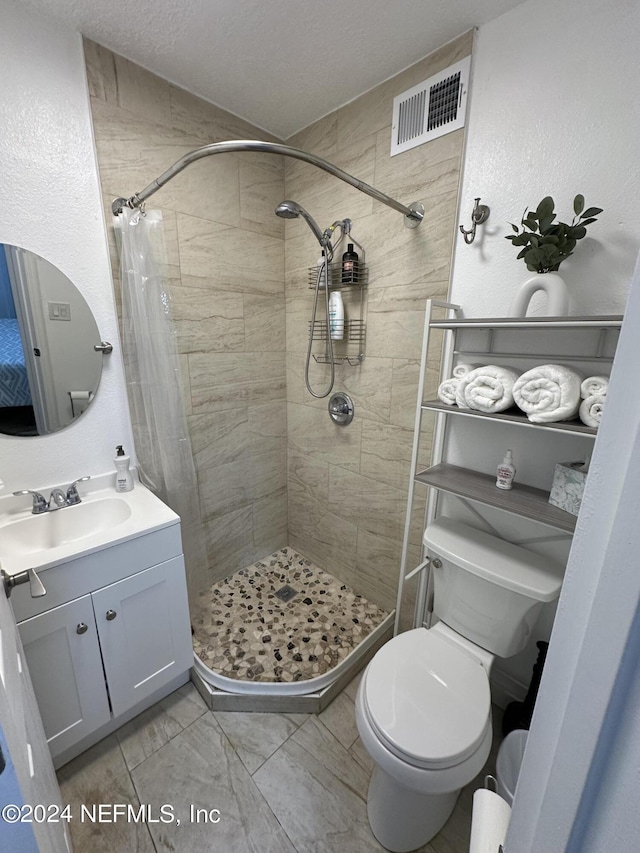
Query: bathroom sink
{"type": "Point", "coordinates": [103, 518]}
{"type": "Point", "coordinates": [69, 524]}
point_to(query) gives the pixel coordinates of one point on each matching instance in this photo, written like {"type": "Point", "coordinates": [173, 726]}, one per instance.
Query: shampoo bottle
{"type": "Point", "coordinates": [506, 472]}
{"type": "Point", "coordinates": [336, 316]}
{"type": "Point", "coordinates": [124, 480]}
{"type": "Point", "coordinates": [350, 266]}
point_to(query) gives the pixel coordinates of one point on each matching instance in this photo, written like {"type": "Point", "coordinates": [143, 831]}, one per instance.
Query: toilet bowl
{"type": "Point", "coordinates": [423, 708]}
{"type": "Point", "coordinates": [423, 711]}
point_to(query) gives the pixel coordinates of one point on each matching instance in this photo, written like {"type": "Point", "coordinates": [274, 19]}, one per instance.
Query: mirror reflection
{"type": "Point", "coordinates": [49, 370]}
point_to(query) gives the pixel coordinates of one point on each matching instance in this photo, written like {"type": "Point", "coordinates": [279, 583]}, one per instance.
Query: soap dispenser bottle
{"type": "Point", "coordinates": [506, 472]}
{"type": "Point", "coordinates": [124, 479]}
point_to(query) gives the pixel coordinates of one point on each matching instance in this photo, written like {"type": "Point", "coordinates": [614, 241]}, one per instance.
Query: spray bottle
{"type": "Point", "coordinates": [506, 472]}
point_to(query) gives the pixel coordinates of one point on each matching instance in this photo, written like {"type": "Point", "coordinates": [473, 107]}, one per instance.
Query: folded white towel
{"type": "Point", "coordinates": [591, 410]}
{"type": "Point", "coordinates": [548, 393]}
{"type": "Point", "coordinates": [487, 389]}
{"type": "Point", "coordinates": [463, 368]}
{"type": "Point", "coordinates": [447, 391]}
{"type": "Point", "coordinates": [594, 385]}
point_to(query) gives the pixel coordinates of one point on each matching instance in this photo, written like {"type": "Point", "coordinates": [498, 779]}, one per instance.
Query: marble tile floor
{"type": "Point", "coordinates": [244, 630]}
{"type": "Point", "coordinates": [281, 783]}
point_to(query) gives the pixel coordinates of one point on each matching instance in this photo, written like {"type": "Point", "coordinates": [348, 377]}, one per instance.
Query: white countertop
{"type": "Point", "coordinates": [102, 519]}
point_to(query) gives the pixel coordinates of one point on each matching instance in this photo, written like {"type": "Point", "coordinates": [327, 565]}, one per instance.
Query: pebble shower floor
{"type": "Point", "coordinates": [243, 630]}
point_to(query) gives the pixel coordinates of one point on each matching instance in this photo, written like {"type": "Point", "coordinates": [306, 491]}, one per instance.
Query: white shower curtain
{"type": "Point", "coordinates": [154, 383]}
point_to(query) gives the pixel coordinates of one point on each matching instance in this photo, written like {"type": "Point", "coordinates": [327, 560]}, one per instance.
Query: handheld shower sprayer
{"type": "Point", "coordinates": [292, 210]}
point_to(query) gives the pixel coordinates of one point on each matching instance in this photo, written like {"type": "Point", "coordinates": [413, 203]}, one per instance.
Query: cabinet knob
{"type": "Point", "coordinates": [82, 628]}
{"type": "Point", "coordinates": [111, 615]}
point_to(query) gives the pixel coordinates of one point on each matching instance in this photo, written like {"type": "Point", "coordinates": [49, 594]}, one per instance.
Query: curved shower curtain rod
{"type": "Point", "coordinates": [413, 214]}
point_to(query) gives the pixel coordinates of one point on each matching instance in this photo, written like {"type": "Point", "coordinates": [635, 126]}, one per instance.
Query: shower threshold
{"type": "Point", "coordinates": [282, 635]}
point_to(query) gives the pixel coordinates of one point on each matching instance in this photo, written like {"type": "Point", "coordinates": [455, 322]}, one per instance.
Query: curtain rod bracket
{"type": "Point", "coordinates": [413, 219]}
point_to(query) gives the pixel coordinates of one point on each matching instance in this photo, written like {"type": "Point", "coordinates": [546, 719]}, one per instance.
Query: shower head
{"type": "Point", "coordinates": [292, 210]}
{"type": "Point", "coordinates": [288, 210]}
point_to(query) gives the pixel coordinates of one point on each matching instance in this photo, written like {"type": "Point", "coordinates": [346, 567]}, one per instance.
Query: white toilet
{"type": "Point", "coordinates": [424, 706]}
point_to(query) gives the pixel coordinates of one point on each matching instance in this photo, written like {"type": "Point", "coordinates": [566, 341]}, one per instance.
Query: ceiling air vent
{"type": "Point", "coordinates": [430, 109]}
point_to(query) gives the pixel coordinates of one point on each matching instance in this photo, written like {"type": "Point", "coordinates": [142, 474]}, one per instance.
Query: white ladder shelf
{"type": "Point", "coordinates": [524, 501]}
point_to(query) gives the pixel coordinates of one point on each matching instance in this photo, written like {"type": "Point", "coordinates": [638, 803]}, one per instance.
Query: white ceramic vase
{"type": "Point", "coordinates": [549, 283]}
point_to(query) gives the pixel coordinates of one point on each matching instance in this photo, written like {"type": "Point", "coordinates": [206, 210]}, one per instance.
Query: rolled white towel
{"type": "Point", "coordinates": [447, 391]}
{"type": "Point", "coordinates": [487, 389]}
{"type": "Point", "coordinates": [548, 393]}
{"type": "Point", "coordinates": [462, 384]}
{"type": "Point", "coordinates": [593, 386]}
{"type": "Point", "coordinates": [591, 410]}
{"type": "Point", "coordinates": [463, 368]}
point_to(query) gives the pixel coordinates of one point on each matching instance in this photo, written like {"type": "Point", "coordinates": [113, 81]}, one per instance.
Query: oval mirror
{"type": "Point", "coordinates": [49, 370]}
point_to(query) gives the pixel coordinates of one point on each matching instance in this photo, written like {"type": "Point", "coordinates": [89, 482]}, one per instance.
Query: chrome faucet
{"type": "Point", "coordinates": [57, 500]}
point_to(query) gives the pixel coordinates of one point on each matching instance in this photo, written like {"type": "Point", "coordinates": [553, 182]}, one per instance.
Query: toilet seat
{"type": "Point", "coordinates": [428, 701]}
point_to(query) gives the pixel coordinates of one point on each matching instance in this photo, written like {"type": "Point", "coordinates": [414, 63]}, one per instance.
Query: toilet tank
{"type": "Point", "coordinates": [488, 590]}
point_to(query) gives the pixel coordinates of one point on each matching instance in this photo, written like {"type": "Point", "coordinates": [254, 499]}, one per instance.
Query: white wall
{"type": "Point", "coordinates": [50, 203]}
{"type": "Point", "coordinates": [553, 111]}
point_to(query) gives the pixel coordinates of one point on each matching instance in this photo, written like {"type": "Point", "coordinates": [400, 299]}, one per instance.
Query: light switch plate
{"type": "Point", "coordinates": [59, 310]}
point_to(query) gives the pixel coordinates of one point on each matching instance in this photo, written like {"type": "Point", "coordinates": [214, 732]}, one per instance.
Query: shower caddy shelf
{"type": "Point", "coordinates": [474, 486]}
{"type": "Point", "coordinates": [355, 329]}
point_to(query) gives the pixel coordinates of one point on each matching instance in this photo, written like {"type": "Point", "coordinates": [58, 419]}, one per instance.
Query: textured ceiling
{"type": "Point", "coordinates": [280, 64]}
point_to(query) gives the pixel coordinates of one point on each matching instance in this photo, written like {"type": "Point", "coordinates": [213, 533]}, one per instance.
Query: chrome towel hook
{"type": "Point", "coordinates": [479, 215]}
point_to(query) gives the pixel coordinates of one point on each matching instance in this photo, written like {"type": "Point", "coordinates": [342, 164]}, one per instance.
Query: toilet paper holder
{"type": "Point", "coordinates": [491, 784]}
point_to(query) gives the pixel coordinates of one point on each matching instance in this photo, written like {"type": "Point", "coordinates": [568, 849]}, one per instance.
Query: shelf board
{"type": "Point", "coordinates": [554, 359]}
{"type": "Point", "coordinates": [512, 416]}
{"type": "Point", "coordinates": [602, 321]}
{"type": "Point", "coordinates": [521, 500]}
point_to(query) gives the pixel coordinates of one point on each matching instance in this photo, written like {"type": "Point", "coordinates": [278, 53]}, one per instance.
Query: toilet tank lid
{"type": "Point", "coordinates": [496, 560]}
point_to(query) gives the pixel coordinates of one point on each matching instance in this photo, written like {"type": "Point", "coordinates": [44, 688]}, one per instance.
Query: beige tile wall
{"type": "Point", "coordinates": [347, 486]}
{"type": "Point", "coordinates": [226, 267]}
{"type": "Point", "coordinates": [272, 468]}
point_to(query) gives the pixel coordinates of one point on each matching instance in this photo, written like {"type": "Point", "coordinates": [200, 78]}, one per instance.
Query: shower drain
{"type": "Point", "coordinates": [286, 593]}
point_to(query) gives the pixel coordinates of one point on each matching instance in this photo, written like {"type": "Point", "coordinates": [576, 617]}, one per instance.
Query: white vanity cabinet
{"type": "Point", "coordinates": [111, 636]}
{"type": "Point", "coordinates": [66, 671]}
{"type": "Point", "coordinates": [144, 632]}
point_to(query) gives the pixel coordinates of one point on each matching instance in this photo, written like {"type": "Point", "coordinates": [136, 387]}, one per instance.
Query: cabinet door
{"type": "Point", "coordinates": [63, 656]}
{"type": "Point", "coordinates": [26, 769]}
{"type": "Point", "coordinates": [145, 634]}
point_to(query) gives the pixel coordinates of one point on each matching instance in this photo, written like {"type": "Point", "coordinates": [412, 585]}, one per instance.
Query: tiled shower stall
{"type": "Point", "coordinates": [273, 469]}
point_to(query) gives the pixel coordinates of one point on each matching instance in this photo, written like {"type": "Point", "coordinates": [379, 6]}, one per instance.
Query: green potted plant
{"type": "Point", "coordinates": [545, 243]}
